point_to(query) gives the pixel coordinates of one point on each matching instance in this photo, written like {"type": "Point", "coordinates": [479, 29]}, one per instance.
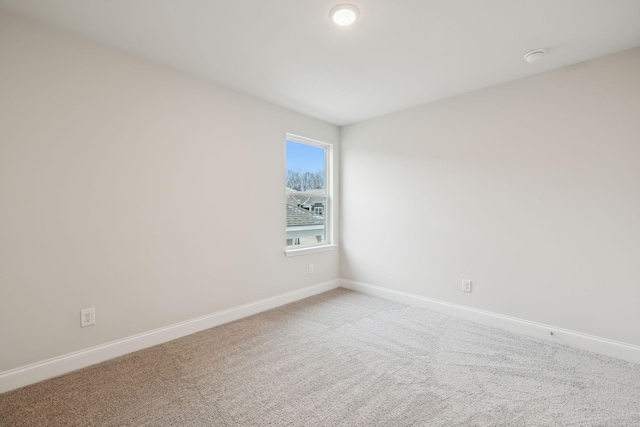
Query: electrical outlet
{"type": "Point", "coordinates": [310, 268]}
{"type": "Point", "coordinates": [87, 317]}
{"type": "Point", "coordinates": [466, 285]}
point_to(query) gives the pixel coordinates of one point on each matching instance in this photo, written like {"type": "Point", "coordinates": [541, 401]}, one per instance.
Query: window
{"type": "Point", "coordinates": [308, 207]}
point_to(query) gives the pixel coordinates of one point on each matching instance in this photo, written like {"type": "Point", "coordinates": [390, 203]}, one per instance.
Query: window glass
{"type": "Point", "coordinates": [307, 196]}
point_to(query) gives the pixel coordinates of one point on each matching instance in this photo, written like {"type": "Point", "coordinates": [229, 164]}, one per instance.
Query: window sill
{"type": "Point", "coordinates": [309, 250]}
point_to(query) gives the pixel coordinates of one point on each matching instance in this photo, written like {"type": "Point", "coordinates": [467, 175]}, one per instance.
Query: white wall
{"type": "Point", "coordinates": [150, 195]}
{"type": "Point", "coordinates": [531, 189]}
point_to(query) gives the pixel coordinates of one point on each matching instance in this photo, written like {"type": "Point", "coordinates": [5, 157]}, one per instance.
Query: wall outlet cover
{"type": "Point", "coordinates": [466, 285]}
{"type": "Point", "coordinates": [87, 317]}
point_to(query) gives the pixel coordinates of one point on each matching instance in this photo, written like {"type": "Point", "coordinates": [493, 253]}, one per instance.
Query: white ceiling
{"type": "Point", "coordinates": [399, 54]}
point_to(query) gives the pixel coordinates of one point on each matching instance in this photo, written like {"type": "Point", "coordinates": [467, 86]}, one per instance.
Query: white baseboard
{"type": "Point", "coordinates": [25, 375]}
{"type": "Point", "coordinates": [620, 350]}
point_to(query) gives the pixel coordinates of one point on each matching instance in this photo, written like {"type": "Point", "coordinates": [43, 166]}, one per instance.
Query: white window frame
{"type": "Point", "coordinates": [328, 244]}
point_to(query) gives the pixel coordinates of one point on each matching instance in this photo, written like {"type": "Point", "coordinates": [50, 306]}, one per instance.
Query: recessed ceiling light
{"type": "Point", "coordinates": [534, 55]}
{"type": "Point", "coordinates": [344, 14]}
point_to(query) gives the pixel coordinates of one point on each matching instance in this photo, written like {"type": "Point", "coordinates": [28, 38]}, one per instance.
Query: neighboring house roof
{"type": "Point", "coordinates": [315, 191]}
{"type": "Point", "coordinates": [298, 217]}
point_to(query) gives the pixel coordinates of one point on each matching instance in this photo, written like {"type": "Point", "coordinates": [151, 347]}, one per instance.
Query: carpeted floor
{"type": "Point", "coordinates": [340, 359]}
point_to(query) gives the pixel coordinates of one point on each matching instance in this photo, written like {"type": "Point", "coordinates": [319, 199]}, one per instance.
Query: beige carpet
{"type": "Point", "coordinates": [340, 359]}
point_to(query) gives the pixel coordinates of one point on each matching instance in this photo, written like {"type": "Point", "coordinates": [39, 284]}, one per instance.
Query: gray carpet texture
{"type": "Point", "coordinates": [340, 359]}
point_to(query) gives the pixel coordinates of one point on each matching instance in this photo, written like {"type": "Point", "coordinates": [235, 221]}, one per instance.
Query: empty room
{"type": "Point", "coordinates": [319, 213]}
